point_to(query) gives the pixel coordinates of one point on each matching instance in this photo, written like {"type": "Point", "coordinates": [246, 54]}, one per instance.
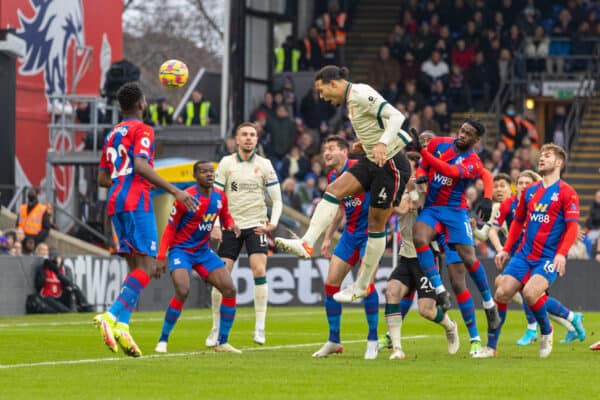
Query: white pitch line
{"type": "Point", "coordinates": [172, 355]}
{"type": "Point", "coordinates": [152, 319]}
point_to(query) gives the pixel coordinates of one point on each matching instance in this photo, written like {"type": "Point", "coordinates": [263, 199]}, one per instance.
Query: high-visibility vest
{"type": "Point", "coordinates": [511, 128]}
{"type": "Point", "coordinates": [308, 47]}
{"type": "Point", "coordinates": [32, 223]}
{"type": "Point", "coordinates": [204, 108]}
{"type": "Point", "coordinates": [280, 58]}
{"type": "Point", "coordinates": [340, 32]}
{"type": "Point", "coordinates": [153, 108]}
{"type": "Point", "coordinates": [330, 43]}
{"type": "Point", "coordinates": [532, 133]}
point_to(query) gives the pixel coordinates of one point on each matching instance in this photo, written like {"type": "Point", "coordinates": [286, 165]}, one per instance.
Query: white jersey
{"type": "Point", "coordinates": [244, 183]}
{"type": "Point", "coordinates": [366, 112]}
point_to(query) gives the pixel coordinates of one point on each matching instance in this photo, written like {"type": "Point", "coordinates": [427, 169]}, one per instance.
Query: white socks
{"type": "Point", "coordinates": [373, 252]}
{"type": "Point", "coordinates": [322, 217]}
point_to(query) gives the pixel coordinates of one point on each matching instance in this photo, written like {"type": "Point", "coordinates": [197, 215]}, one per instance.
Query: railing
{"type": "Point", "coordinates": [517, 89]}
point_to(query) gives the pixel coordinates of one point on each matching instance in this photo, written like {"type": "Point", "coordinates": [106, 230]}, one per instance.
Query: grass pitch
{"type": "Point", "coordinates": [62, 357]}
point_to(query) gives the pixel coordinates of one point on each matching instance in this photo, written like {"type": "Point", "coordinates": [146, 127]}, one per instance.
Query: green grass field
{"type": "Point", "coordinates": [63, 356]}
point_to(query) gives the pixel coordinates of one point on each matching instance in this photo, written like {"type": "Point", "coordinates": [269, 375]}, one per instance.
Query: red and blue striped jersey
{"type": "Point", "coordinates": [545, 212]}
{"type": "Point", "coordinates": [190, 230]}
{"type": "Point", "coordinates": [506, 212]}
{"type": "Point", "coordinates": [356, 206]}
{"type": "Point", "coordinates": [129, 191]}
{"type": "Point", "coordinates": [446, 191]}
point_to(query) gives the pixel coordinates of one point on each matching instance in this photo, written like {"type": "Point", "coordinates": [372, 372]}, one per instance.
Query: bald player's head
{"type": "Point", "coordinates": [425, 137]}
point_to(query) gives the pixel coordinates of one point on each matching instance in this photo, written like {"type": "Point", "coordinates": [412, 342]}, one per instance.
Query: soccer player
{"type": "Point", "coordinates": [547, 215]}
{"type": "Point", "coordinates": [347, 252]}
{"type": "Point", "coordinates": [126, 168]}
{"type": "Point", "coordinates": [187, 238]}
{"type": "Point", "coordinates": [452, 166]}
{"type": "Point", "coordinates": [244, 177]}
{"type": "Point", "coordinates": [556, 310]}
{"type": "Point", "coordinates": [383, 172]}
{"type": "Point", "coordinates": [408, 277]}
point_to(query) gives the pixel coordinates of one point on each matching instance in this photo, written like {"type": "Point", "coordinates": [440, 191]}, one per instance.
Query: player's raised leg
{"type": "Point", "coordinates": [325, 212]}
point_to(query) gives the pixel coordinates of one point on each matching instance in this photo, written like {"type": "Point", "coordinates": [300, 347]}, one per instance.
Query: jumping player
{"type": "Point", "coordinates": [126, 168]}
{"type": "Point", "coordinates": [347, 252]}
{"type": "Point", "coordinates": [187, 238]}
{"type": "Point", "coordinates": [451, 165]}
{"type": "Point", "coordinates": [383, 172]}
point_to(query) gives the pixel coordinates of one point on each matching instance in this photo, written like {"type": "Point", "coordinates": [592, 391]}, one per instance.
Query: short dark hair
{"type": "Point", "coordinates": [332, 73]}
{"type": "Point", "coordinates": [501, 176]}
{"type": "Point", "coordinates": [475, 123]}
{"type": "Point", "coordinates": [128, 95]}
{"type": "Point", "coordinates": [198, 163]}
{"type": "Point", "coordinates": [341, 142]}
{"type": "Point", "coordinates": [243, 125]}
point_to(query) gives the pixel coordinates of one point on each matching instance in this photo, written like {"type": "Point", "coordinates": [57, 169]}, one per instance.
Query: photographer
{"type": "Point", "coordinates": [55, 292]}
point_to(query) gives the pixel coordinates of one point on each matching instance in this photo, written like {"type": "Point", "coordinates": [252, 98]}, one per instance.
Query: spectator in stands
{"type": "Point", "coordinates": [442, 116]}
{"type": "Point", "coordinates": [581, 46]}
{"type": "Point", "coordinates": [462, 55]}
{"type": "Point", "coordinates": [438, 92]}
{"type": "Point", "coordinates": [266, 106]}
{"type": "Point", "coordinates": [295, 165]}
{"type": "Point", "coordinates": [11, 236]}
{"type": "Point", "coordinates": [289, 196]}
{"type": "Point", "coordinates": [472, 36]}
{"type": "Point", "coordinates": [499, 25]}
{"type": "Point", "coordinates": [592, 19]}
{"type": "Point", "coordinates": [456, 88]}
{"type": "Point", "coordinates": [531, 131]}
{"type": "Point", "coordinates": [161, 113]}
{"type": "Point", "coordinates": [509, 10]}
{"type": "Point", "coordinates": [42, 250]}
{"type": "Point", "coordinates": [278, 99]}
{"type": "Point", "coordinates": [513, 40]}
{"type": "Point", "coordinates": [410, 70]}
{"type": "Point", "coordinates": [536, 50]}
{"type": "Point", "coordinates": [410, 93]}
{"type": "Point", "coordinates": [314, 109]}
{"type": "Point", "coordinates": [336, 20]}
{"type": "Point", "coordinates": [528, 20]}
{"type": "Point", "coordinates": [504, 65]}
{"type": "Point", "coordinates": [592, 224]}
{"type": "Point", "coordinates": [384, 74]}
{"type": "Point", "coordinates": [511, 129]}
{"type": "Point", "coordinates": [16, 249]}
{"type": "Point", "coordinates": [226, 148]}
{"type": "Point", "coordinates": [308, 144]}
{"type": "Point", "coordinates": [408, 22]}
{"type": "Point", "coordinates": [428, 123]}
{"type": "Point", "coordinates": [198, 111]}
{"type": "Point", "coordinates": [28, 246]}
{"type": "Point", "coordinates": [287, 56]}
{"type": "Point", "coordinates": [289, 95]}
{"type": "Point", "coordinates": [564, 26]}
{"type": "Point", "coordinates": [414, 121]}
{"type": "Point", "coordinates": [34, 219]}
{"type": "Point", "coordinates": [314, 48]}
{"type": "Point", "coordinates": [555, 132]}
{"type": "Point", "coordinates": [459, 15]}
{"type": "Point", "coordinates": [283, 132]}
{"type": "Point", "coordinates": [56, 289]}
{"type": "Point", "coordinates": [308, 191]}
{"type": "Point", "coordinates": [424, 41]}
{"type": "Point", "coordinates": [399, 42]}
{"type": "Point", "coordinates": [4, 245]}
{"type": "Point", "coordinates": [481, 81]}
{"type": "Point", "coordinates": [434, 68]}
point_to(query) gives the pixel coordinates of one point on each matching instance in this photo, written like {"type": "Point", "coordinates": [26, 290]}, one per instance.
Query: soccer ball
{"type": "Point", "coordinates": [173, 73]}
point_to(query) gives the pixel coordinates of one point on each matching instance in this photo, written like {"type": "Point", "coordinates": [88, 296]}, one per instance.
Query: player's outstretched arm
{"type": "Point", "coordinates": [451, 171]}
{"type": "Point", "coordinates": [495, 238]}
{"type": "Point", "coordinates": [144, 169]}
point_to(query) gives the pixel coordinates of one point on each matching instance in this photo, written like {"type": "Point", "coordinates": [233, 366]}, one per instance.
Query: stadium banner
{"type": "Point", "coordinates": [566, 89]}
{"type": "Point", "coordinates": [292, 282]}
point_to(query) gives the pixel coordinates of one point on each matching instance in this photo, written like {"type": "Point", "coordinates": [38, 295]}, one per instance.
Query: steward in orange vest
{"type": "Point", "coordinates": [511, 128]}
{"type": "Point", "coordinates": [34, 218]}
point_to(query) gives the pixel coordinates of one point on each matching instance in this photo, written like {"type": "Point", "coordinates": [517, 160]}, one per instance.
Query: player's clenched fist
{"type": "Point", "coordinates": [501, 259]}
{"type": "Point", "coordinates": [379, 153]}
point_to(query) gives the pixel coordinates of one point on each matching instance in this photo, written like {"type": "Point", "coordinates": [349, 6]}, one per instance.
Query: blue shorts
{"type": "Point", "coordinates": [520, 268]}
{"type": "Point", "coordinates": [136, 232]}
{"type": "Point", "coordinates": [351, 247]}
{"type": "Point", "coordinates": [455, 221]}
{"type": "Point", "coordinates": [203, 261]}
